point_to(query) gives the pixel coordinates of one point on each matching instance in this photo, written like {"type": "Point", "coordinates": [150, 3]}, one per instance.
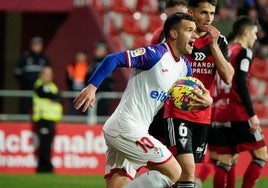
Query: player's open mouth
{"type": "Point", "coordinates": [191, 43]}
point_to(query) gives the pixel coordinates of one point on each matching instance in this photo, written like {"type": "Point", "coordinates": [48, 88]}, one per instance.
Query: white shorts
{"type": "Point", "coordinates": [132, 153]}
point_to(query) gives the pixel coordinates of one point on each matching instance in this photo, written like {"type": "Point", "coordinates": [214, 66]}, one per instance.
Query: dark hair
{"type": "Point", "coordinates": [173, 3]}
{"type": "Point", "coordinates": [83, 51]}
{"type": "Point", "coordinates": [36, 40]}
{"type": "Point", "coordinates": [194, 3]}
{"type": "Point", "coordinates": [173, 20]}
{"type": "Point", "coordinates": [100, 44]}
{"type": "Point", "coordinates": [240, 25]}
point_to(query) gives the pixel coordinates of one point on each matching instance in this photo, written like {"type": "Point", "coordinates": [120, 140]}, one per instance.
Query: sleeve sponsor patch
{"type": "Point", "coordinates": [137, 52]}
{"type": "Point", "coordinates": [244, 65]}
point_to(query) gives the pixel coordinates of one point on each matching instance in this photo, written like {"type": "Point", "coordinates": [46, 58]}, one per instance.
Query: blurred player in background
{"type": "Point", "coordinates": [172, 6]}
{"type": "Point", "coordinates": [236, 127]}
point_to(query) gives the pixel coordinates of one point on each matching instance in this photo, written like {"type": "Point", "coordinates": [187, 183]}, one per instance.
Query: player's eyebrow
{"type": "Point", "coordinates": [207, 12]}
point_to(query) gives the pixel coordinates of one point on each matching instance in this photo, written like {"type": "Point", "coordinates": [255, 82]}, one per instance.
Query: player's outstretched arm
{"type": "Point", "coordinates": [86, 98]}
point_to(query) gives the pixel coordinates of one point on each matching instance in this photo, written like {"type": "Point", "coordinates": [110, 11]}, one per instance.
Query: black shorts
{"type": "Point", "coordinates": [156, 128]}
{"type": "Point", "coordinates": [234, 137]}
{"type": "Point", "coordinates": [184, 137]}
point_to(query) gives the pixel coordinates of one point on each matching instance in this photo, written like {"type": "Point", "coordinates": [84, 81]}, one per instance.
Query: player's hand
{"type": "Point", "coordinates": [86, 98]}
{"type": "Point", "coordinates": [254, 123]}
{"type": "Point", "coordinates": [202, 100]}
{"type": "Point", "coordinates": [213, 34]}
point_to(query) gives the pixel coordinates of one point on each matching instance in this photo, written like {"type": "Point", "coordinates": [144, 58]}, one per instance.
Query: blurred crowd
{"type": "Point", "coordinates": [79, 70]}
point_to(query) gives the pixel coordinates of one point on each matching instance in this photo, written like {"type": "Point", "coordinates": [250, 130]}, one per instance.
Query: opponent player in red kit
{"type": "Point", "coordinates": [172, 6]}
{"type": "Point", "coordinates": [187, 131]}
{"type": "Point", "coordinates": [235, 125]}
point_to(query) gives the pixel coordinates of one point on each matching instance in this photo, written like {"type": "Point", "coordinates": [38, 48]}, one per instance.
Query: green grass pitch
{"type": "Point", "coordinates": [75, 181]}
{"type": "Point", "coordinates": [50, 181]}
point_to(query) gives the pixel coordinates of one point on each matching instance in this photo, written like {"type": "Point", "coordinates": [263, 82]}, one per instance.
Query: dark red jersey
{"type": "Point", "coordinates": [203, 67]}
{"type": "Point", "coordinates": [158, 36]}
{"type": "Point", "coordinates": [232, 102]}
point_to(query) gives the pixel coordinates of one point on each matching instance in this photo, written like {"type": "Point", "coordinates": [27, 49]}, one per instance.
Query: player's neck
{"type": "Point", "coordinates": [241, 41]}
{"type": "Point", "coordinates": [175, 52]}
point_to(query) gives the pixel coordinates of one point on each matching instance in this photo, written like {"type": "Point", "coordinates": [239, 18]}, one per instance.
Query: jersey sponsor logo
{"type": "Point", "coordinates": [199, 56]}
{"type": "Point", "coordinates": [137, 52]}
{"type": "Point", "coordinates": [202, 67]}
{"type": "Point", "coordinates": [159, 96]}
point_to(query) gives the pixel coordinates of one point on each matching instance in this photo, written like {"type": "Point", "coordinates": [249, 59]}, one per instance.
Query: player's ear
{"type": "Point", "coordinates": [173, 34]}
{"type": "Point", "coordinates": [246, 32]}
{"type": "Point", "coordinates": [190, 12]}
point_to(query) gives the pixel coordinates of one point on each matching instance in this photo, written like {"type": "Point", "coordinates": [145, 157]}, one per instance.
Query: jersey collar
{"type": "Point", "coordinates": [177, 59]}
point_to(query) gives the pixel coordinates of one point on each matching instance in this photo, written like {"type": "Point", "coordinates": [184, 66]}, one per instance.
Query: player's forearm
{"type": "Point", "coordinates": [106, 68]}
{"type": "Point", "coordinates": [224, 68]}
{"type": "Point", "coordinates": [243, 92]}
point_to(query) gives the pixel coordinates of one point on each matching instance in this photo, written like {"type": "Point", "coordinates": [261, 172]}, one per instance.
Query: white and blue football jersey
{"type": "Point", "coordinates": [154, 70]}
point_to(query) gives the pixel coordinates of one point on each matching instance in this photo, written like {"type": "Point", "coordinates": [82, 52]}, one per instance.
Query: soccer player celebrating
{"type": "Point", "coordinates": [155, 69]}
{"type": "Point", "coordinates": [235, 126]}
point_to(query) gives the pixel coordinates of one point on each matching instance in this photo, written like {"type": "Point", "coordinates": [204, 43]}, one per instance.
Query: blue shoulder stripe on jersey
{"type": "Point", "coordinates": [107, 66]}
{"type": "Point", "coordinates": [189, 68]}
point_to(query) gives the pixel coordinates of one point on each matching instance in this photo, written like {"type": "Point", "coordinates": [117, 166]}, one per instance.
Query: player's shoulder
{"type": "Point", "coordinates": [156, 49]}
{"type": "Point", "coordinates": [185, 59]}
{"type": "Point", "coordinates": [239, 49]}
{"type": "Point", "coordinates": [222, 40]}
{"type": "Point", "coordinates": [147, 56]}
{"type": "Point", "coordinates": [246, 52]}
